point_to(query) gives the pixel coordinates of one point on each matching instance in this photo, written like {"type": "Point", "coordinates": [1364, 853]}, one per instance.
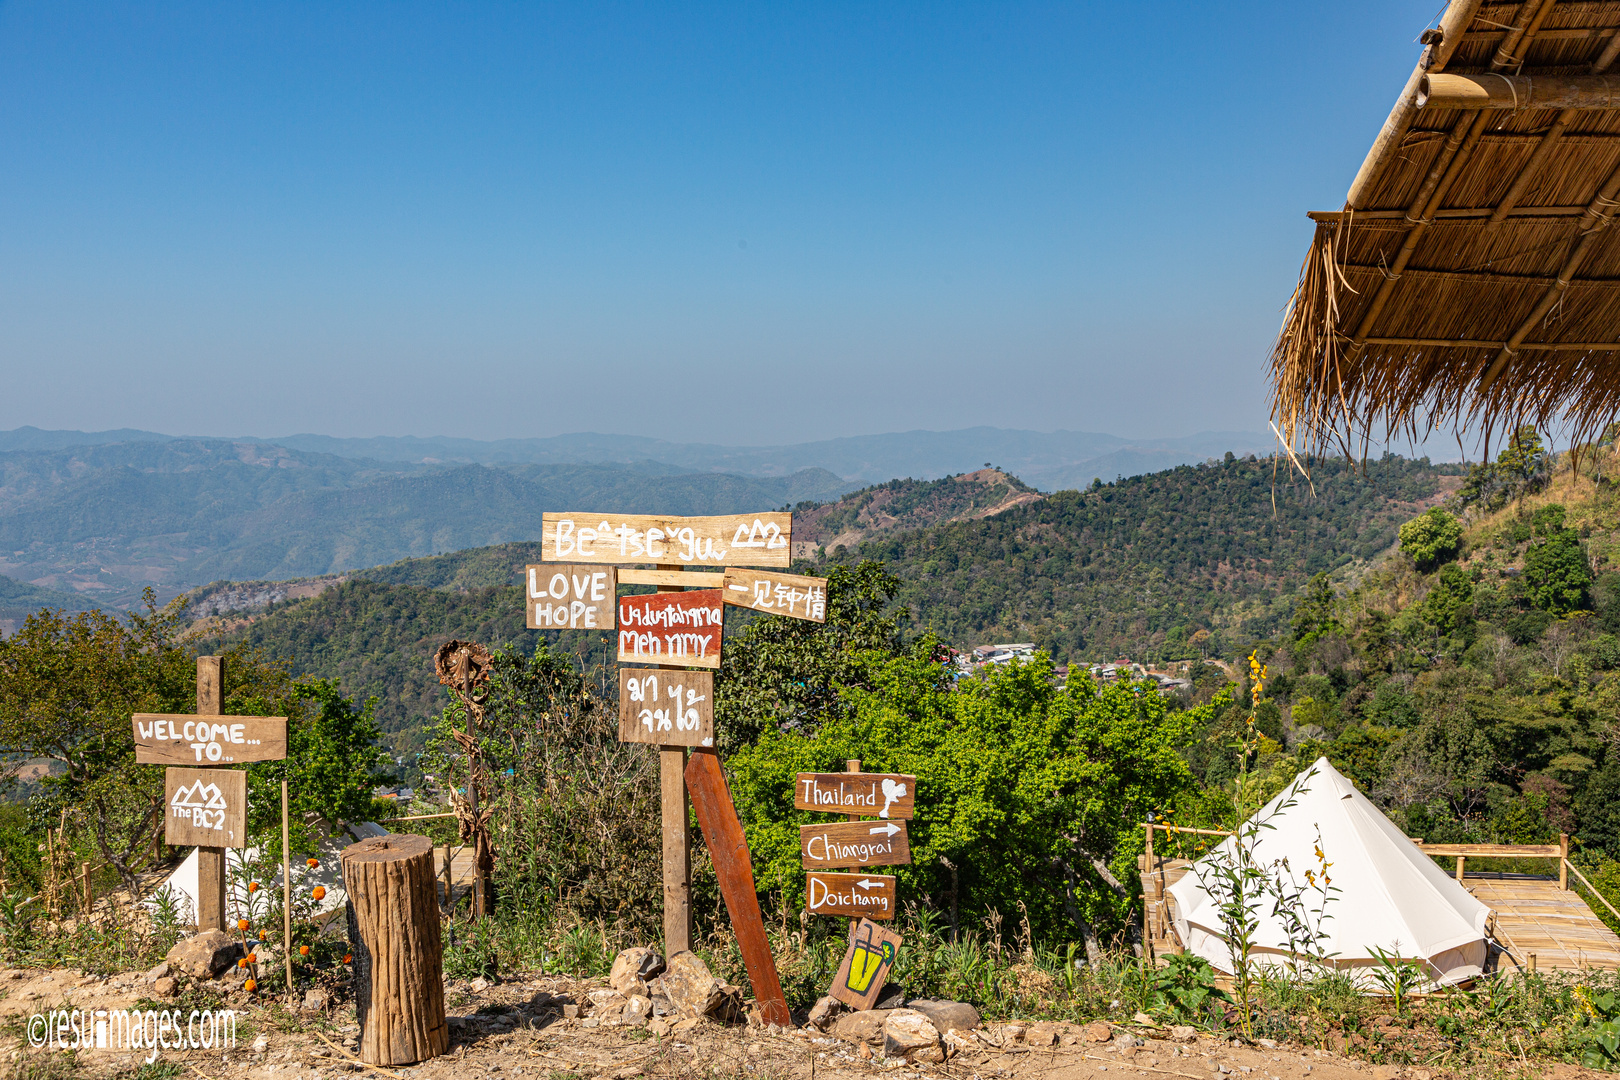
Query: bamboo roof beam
{"type": "Point", "coordinates": [1453, 24]}
{"type": "Point", "coordinates": [1459, 215]}
{"type": "Point", "coordinates": [1544, 148]}
{"type": "Point", "coordinates": [1595, 221]}
{"type": "Point", "coordinates": [1528, 346]}
{"type": "Point", "coordinates": [1494, 90]}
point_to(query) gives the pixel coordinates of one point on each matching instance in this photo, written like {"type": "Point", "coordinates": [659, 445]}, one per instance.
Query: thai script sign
{"type": "Point", "coordinates": [669, 708]}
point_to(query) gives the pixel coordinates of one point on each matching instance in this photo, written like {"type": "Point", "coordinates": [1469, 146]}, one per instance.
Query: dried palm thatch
{"type": "Point", "coordinates": [1472, 280]}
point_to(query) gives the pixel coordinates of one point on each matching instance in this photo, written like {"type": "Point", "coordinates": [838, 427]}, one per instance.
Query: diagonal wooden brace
{"type": "Point", "coordinates": [716, 815]}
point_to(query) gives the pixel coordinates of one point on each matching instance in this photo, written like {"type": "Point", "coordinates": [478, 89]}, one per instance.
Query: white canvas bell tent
{"type": "Point", "coordinates": [1385, 893]}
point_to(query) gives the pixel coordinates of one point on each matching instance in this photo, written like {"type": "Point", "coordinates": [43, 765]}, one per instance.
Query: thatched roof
{"type": "Point", "coordinates": [1472, 279]}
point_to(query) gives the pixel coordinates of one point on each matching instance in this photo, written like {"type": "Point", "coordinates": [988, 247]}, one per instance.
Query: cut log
{"type": "Point", "coordinates": [393, 914]}
{"type": "Point", "coordinates": [1492, 91]}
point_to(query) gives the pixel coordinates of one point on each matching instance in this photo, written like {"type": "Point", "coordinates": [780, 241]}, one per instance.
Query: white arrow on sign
{"type": "Point", "coordinates": [889, 828]}
{"type": "Point", "coordinates": [869, 884]}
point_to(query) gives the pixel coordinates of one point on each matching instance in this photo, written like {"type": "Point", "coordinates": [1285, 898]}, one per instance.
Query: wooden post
{"type": "Point", "coordinates": [1563, 861]}
{"type": "Point", "coordinates": [210, 860]}
{"type": "Point", "coordinates": [677, 835]}
{"type": "Point", "coordinates": [1531, 957]}
{"type": "Point", "coordinates": [735, 871]}
{"type": "Point", "coordinates": [393, 914]}
{"type": "Point", "coordinates": [854, 766]}
{"type": "Point", "coordinates": [286, 892]}
{"type": "Point", "coordinates": [1147, 903]}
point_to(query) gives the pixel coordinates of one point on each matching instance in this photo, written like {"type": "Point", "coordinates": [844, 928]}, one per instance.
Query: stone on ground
{"type": "Point", "coordinates": [633, 968]}
{"type": "Point", "coordinates": [1184, 1033]}
{"type": "Point", "coordinates": [947, 1015]}
{"type": "Point", "coordinates": [204, 955]}
{"type": "Point", "coordinates": [693, 991]}
{"type": "Point", "coordinates": [864, 1027]}
{"type": "Point", "coordinates": [909, 1034]}
{"type": "Point", "coordinates": [823, 1012]}
{"type": "Point", "coordinates": [1098, 1032]}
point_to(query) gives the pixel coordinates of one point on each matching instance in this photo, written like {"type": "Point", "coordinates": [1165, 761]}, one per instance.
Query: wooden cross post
{"type": "Point", "coordinates": [677, 833]}
{"type": "Point", "coordinates": [210, 860]}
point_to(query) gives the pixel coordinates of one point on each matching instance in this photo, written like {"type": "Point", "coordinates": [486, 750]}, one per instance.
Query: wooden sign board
{"type": "Point", "coordinates": [188, 739]}
{"type": "Point", "coordinates": [793, 595]}
{"type": "Point", "coordinates": [672, 628]}
{"type": "Point", "coordinates": [866, 965]}
{"type": "Point", "coordinates": [669, 708]}
{"type": "Point", "coordinates": [205, 807]}
{"type": "Point", "coordinates": [869, 896]}
{"type": "Point", "coordinates": [886, 795]}
{"type": "Point", "coordinates": [854, 843]}
{"type": "Point", "coordinates": [746, 539]}
{"type": "Point", "coordinates": [570, 596]}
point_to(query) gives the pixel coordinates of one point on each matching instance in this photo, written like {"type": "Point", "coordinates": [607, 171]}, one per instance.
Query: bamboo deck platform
{"type": "Point", "coordinates": [1538, 918]}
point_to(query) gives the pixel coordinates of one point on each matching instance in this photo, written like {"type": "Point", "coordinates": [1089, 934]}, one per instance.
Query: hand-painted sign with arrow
{"type": "Point", "coordinates": [854, 843]}
{"type": "Point", "coordinates": [868, 896]}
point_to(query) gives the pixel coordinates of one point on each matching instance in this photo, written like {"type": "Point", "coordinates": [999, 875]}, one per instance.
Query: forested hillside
{"type": "Point", "coordinates": [1138, 566]}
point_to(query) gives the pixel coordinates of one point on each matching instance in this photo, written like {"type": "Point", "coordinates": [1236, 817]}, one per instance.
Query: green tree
{"type": "Point", "coordinates": [1314, 615]}
{"type": "Point", "coordinates": [1523, 458]}
{"type": "Point", "coordinates": [68, 686]}
{"type": "Point", "coordinates": [1556, 573]}
{"type": "Point", "coordinates": [1449, 605]}
{"type": "Point", "coordinates": [1432, 538]}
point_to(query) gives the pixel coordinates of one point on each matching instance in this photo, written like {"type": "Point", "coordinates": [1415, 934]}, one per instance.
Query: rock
{"type": "Point", "coordinates": [1099, 1032]}
{"type": "Point", "coordinates": [1012, 1033]}
{"type": "Point", "coordinates": [315, 1001]}
{"type": "Point", "coordinates": [261, 1044]}
{"type": "Point", "coordinates": [1182, 1033]}
{"type": "Point", "coordinates": [947, 1015]}
{"type": "Point", "coordinates": [1386, 1072]}
{"type": "Point", "coordinates": [636, 1011]}
{"type": "Point", "coordinates": [629, 1071]}
{"type": "Point", "coordinates": [909, 1034]}
{"type": "Point", "coordinates": [204, 955]}
{"type": "Point", "coordinates": [590, 1022]}
{"type": "Point", "coordinates": [1042, 1035]}
{"type": "Point", "coordinates": [633, 969]}
{"type": "Point", "coordinates": [605, 1002]}
{"type": "Point", "coordinates": [166, 986]}
{"type": "Point", "coordinates": [157, 973]}
{"type": "Point", "coordinates": [1122, 1039]}
{"type": "Point", "coordinates": [658, 1026]}
{"type": "Point", "coordinates": [1144, 1019]}
{"type": "Point", "coordinates": [478, 985]}
{"type": "Point", "coordinates": [570, 1012]}
{"type": "Point", "coordinates": [1269, 1044]}
{"type": "Point", "coordinates": [863, 1052]}
{"type": "Point", "coordinates": [890, 997]}
{"type": "Point", "coordinates": [865, 1027]}
{"type": "Point", "coordinates": [692, 990]}
{"type": "Point", "coordinates": [824, 1012]}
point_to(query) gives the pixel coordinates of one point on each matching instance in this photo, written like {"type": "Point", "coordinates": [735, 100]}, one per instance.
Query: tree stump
{"type": "Point", "coordinates": [393, 914]}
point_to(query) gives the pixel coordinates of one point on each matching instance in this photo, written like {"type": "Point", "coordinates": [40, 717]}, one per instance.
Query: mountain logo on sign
{"type": "Point", "coordinates": [200, 796]}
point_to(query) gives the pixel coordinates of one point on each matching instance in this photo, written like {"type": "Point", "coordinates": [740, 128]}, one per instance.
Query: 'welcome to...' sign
{"type": "Point", "coordinates": [733, 539]}
{"type": "Point", "coordinates": [681, 628]}
{"type": "Point", "coordinates": [187, 739]}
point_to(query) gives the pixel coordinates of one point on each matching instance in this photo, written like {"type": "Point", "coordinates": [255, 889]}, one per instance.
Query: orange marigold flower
{"type": "Point", "coordinates": [312, 863]}
{"type": "Point", "coordinates": [253, 958]}
{"type": "Point", "coordinates": [264, 935]}
{"type": "Point", "coordinates": [241, 924]}
{"type": "Point", "coordinates": [250, 986]}
{"type": "Point", "coordinates": [318, 892]}
{"type": "Point", "coordinates": [348, 958]}
{"type": "Point", "coordinates": [253, 886]}
{"type": "Point", "coordinates": [303, 950]}
{"type": "Point", "coordinates": [241, 962]}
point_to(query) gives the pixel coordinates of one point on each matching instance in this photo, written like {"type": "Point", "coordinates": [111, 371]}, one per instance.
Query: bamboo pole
{"type": "Point", "coordinates": [1593, 888]}
{"type": "Point", "coordinates": [1563, 861]}
{"type": "Point", "coordinates": [286, 894]}
{"type": "Point", "coordinates": [1493, 90]}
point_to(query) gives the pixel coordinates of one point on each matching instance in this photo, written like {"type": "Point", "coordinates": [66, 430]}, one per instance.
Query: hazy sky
{"type": "Point", "coordinates": [760, 223]}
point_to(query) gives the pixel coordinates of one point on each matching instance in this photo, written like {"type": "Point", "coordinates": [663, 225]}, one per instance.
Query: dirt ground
{"type": "Point", "coordinates": [516, 1030]}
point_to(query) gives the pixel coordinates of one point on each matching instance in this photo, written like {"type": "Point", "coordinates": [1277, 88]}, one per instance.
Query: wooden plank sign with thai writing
{"type": "Point", "coordinates": [671, 628]}
{"type": "Point", "coordinates": [188, 739]}
{"type": "Point", "coordinates": [745, 539]}
{"type": "Point", "coordinates": [205, 807]}
{"type": "Point", "coordinates": [886, 795]}
{"type": "Point", "coordinates": [793, 595]}
{"type": "Point", "coordinates": [667, 708]}
{"type": "Point", "coordinates": [858, 896]}
{"type": "Point", "coordinates": [570, 596]}
{"type": "Point", "coordinates": [854, 843]}
{"type": "Point", "coordinates": [865, 970]}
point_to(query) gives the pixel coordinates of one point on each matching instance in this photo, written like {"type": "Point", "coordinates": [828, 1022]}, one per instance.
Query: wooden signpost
{"type": "Point", "coordinates": [887, 795]}
{"type": "Point", "coordinates": [570, 597]}
{"type": "Point", "coordinates": [734, 539]}
{"type": "Point", "coordinates": [854, 843]}
{"type": "Point", "coordinates": [161, 739]}
{"type": "Point", "coordinates": [206, 806]}
{"type": "Point", "coordinates": [666, 707]}
{"type": "Point", "coordinates": [674, 628]}
{"type": "Point", "coordinates": [866, 965]}
{"type": "Point", "coordinates": [682, 628]}
{"type": "Point", "coordinates": [793, 595]}
{"type": "Point", "coordinates": [858, 896]}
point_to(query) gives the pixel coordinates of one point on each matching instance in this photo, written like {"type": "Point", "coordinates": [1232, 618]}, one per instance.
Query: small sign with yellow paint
{"type": "Point", "coordinates": [866, 965]}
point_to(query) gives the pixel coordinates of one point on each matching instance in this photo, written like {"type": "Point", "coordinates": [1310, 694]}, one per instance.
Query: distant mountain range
{"type": "Point", "coordinates": [1049, 461]}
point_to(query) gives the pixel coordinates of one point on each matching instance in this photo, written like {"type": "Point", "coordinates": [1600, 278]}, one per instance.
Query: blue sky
{"type": "Point", "coordinates": [747, 224]}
